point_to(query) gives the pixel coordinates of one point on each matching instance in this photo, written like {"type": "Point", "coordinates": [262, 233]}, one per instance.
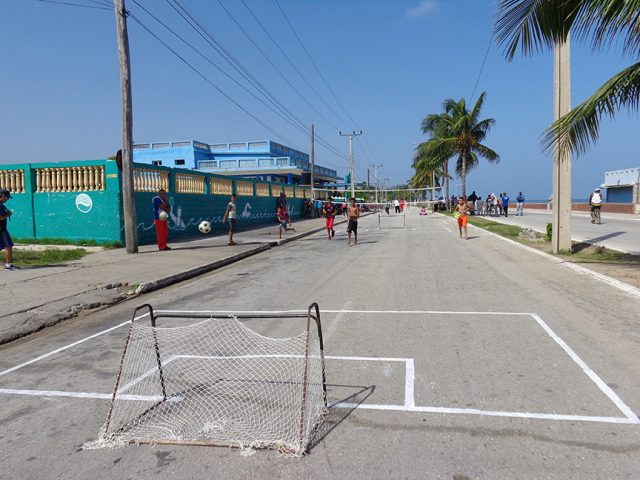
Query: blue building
{"type": "Point", "coordinates": [264, 160]}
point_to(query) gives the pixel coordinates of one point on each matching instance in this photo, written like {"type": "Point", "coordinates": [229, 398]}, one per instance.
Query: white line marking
{"type": "Point", "coordinates": [590, 373]}
{"type": "Point", "coordinates": [625, 287]}
{"type": "Point", "coordinates": [398, 408]}
{"type": "Point", "coordinates": [9, 370]}
{"type": "Point", "coordinates": [92, 395]}
{"type": "Point", "coordinates": [364, 312]}
{"type": "Point", "coordinates": [409, 382]}
{"type": "Point", "coordinates": [489, 413]}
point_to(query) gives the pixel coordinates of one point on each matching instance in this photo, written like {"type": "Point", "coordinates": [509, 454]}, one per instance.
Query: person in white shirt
{"type": "Point", "coordinates": [595, 202]}
{"type": "Point", "coordinates": [231, 215]}
{"type": "Point", "coordinates": [396, 205]}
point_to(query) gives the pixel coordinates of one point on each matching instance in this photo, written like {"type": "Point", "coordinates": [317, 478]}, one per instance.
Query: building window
{"type": "Point", "coordinates": [156, 162]}
{"type": "Point", "coordinates": [179, 161]}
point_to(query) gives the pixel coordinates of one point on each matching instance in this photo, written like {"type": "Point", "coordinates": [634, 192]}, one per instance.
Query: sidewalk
{"type": "Point", "coordinates": [618, 231]}
{"type": "Point", "coordinates": [37, 297]}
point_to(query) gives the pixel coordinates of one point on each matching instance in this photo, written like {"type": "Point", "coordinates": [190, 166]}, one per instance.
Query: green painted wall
{"type": "Point", "coordinates": [20, 225]}
{"type": "Point", "coordinates": [97, 215]}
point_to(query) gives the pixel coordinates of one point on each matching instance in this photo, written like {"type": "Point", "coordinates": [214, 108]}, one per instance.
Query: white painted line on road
{"type": "Point", "coordinates": [590, 373]}
{"type": "Point", "coordinates": [409, 384]}
{"type": "Point", "coordinates": [359, 406]}
{"type": "Point", "coordinates": [364, 312]}
{"type": "Point", "coordinates": [488, 413]}
{"type": "Point", "coordinates": [58, 350]}
{"type": "Point", "coordinates": [625, 287]}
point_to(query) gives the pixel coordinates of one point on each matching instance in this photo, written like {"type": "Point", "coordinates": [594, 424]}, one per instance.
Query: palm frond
{"type": "Point", "coordinates": [575, 131]}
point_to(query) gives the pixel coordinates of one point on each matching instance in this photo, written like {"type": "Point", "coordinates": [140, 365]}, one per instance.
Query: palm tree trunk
{"type": "Point", "coordinates": [446, 183]}
{"type": "Point", "coordinates": [463, 175]}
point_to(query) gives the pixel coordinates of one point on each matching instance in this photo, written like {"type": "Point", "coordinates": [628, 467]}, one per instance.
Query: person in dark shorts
{"type": "Point", "coordinates": [329, 211]}
{"type": "Point", "coordinates": [354, 213]}
{"type": "Point", "coordinates": [6, 243]}
{"type": "Point", "coordinates": [231, 215]}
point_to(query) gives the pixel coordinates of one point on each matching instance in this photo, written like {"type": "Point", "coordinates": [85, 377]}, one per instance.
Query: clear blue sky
{"type": "Point", "coordinates": [389, 62]}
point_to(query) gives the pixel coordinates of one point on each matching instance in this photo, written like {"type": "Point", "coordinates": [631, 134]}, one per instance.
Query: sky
{"type": "Point", "coordinates": [382, 66]}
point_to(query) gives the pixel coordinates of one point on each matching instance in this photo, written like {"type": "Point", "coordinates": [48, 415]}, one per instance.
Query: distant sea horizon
{"type": "Point", "coordinates": [573, 200]}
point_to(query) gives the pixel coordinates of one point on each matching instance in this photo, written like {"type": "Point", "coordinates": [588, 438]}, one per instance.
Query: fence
{"type": "Point", "coordinates": [83, 200]}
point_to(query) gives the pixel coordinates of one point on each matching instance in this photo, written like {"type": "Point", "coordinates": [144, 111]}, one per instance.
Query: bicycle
{"type": "Point", "coordinates": [596, 216]}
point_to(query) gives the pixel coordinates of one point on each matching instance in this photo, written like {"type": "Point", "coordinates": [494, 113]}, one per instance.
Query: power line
{"type": "Point", "coordinates": [70, 4]}
{"type": "Point", "coordinates": [243, 71]}
{"type": "Point", "coordinates": [206, 79]}
{"type": "Point", "coordinates": [314, 63]}
{"type": "Point", "coordinates": [486, 54]}
{"type": "Point", "coordinates": [284, 77]}
{"type": "Point", "coordinates": [292, 63]}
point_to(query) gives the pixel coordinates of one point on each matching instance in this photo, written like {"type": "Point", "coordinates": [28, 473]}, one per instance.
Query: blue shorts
{"type": "Point", "coordinates": [5, 240]}
{"type": "Point", "coordinates": [283, 225]}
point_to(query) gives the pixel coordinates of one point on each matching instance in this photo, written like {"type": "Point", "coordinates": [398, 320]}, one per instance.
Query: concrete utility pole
{"type": "Point", "coordinates": [351, 169]}
{"type": "Point", "coordinates": [375, 175]}
{"type": "Point", "coordinates": [561, 221]}
{"type": "Point", "coordinates": [128, 199]}
{"type": "Point", "coordinates": [313, 160]}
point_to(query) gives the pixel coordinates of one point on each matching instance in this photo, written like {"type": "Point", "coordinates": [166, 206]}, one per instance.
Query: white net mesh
{"type": "Point", "coordinates": [217, 382]}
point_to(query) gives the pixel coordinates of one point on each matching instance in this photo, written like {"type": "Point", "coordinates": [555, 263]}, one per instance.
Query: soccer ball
{"type": "Point", "coordinates": [163, 216]}
{"type": "Point", "coordinates": [204, 227]}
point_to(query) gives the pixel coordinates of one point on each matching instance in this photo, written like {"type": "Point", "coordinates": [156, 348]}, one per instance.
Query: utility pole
{"type": "Point", "coordinates": [375, 176]}
{"type": "Point", "coordinates": [128, 199]}
{"type": "Point", "coordinates": [351, 169]}
{"type": "Point", "coordinates": [561, 220]}
{"type": "Point", "coordinates": [313, 160]}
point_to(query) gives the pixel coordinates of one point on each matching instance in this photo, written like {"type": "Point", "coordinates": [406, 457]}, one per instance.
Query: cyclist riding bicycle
{"type": "Point", "coordinates": [595, 201]}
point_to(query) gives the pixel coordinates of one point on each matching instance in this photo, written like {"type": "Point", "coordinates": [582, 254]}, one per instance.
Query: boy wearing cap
{"type": "Point", "coordinates": [5, 239]}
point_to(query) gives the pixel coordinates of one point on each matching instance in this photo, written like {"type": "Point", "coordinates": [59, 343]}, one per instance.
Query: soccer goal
{"type": "Point", "coordinates": [215, 381]}
{"type": "Point", "coordinates": [397, 220]}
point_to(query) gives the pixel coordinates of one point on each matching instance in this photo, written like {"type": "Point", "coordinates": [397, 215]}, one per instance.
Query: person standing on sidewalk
{"type": "Point", "coordinates": [505, 204]}
{"type": "Point", "coordinates": [161, 209]}
{"type": "Point", "coordinates": [520, 204]}
{"type": "Point", "coordinates": [354, 213]}
{"type": "Point", "coordinates": [231, 215]}
{"type": "Point", "coordinates": [6, 243]}
{"type": "Point", "coordinates": [329, 211]}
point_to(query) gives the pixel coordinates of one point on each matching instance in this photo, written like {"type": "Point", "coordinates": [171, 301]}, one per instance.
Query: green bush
{"type": "Point", "coordinates": [549, 232]}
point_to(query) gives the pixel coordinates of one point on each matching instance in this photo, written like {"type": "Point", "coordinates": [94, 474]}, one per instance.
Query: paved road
{"type": "Point", "coordinates": [497, 393]}
{"type": "Point", "coordinates": [615, 232]}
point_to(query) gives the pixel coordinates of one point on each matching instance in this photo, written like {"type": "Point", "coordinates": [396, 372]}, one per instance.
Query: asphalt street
{"type": "Point", "coordinates": [523, 368]}
{"type": "Point", "coordinates": [617, 232]}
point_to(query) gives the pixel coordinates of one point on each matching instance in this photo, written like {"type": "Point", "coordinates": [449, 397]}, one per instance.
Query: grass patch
{"type": "Point", "coordinates": [509, 231]}
{"type": "Point", "coordinates": [581, 253]}
{"type": "Point", "coordinates": [30, 258]}
{"type": "Point", "coordinates": [62, 241]}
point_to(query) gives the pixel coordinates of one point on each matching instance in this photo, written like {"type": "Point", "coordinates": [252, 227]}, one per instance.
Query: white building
{"type": "Point", "coordinates": [623, 186]}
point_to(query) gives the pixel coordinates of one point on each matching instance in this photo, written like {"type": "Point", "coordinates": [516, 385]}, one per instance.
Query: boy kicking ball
{"type": "Point", "coordinates": [5, 239]}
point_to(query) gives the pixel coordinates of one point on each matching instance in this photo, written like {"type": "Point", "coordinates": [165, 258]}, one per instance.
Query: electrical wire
{"type": "Point", "coordinates": [70, 4]}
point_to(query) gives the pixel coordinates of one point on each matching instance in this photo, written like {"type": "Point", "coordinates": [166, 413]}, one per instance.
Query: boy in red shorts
{"type": "Point", "coordinates": [329, 210]}
{"type": "Point", "coordinates": [461, 212]}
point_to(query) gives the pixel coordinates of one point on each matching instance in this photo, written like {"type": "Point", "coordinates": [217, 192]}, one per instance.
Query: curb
{"type": "Point", "coordinates": [194, 272]}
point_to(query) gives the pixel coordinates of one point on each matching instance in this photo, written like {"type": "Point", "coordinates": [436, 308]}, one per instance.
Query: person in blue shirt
{"type": "Point", "coordinates": [6, 243]}
{"type": "Point", "coordinates": [505, 204]}
{"type": "Point", "coordinates": [520, 204]}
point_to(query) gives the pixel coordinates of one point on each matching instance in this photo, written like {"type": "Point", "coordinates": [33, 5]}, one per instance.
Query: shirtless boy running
{"type": "Point", "coordinates": [461, 212]}
{"type": "Point", "coordinates": [354, 213]}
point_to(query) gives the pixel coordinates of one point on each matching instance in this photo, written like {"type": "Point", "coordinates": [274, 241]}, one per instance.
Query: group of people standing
{"type": "Point", "coordinates": [499, 204]}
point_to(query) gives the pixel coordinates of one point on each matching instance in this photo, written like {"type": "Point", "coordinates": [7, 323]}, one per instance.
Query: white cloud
{"type": "Point", "coordinates": [425, 7]}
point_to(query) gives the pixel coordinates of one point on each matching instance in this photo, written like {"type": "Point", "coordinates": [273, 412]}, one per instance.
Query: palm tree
{"type": "Point", "coordinates": [458, 132]}
{"type": "Point", "coordinates": [428, 170]}
{"type": "Point", "coordinates": [531, 25]}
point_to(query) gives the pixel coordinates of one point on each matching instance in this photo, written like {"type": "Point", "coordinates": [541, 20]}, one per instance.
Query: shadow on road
{"type": "Point", "coordinates": [337, 415]}
{"type": "Point", "coordinates": [587, 243]}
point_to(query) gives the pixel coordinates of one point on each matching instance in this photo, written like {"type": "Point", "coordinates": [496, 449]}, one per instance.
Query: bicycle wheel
{"type": "Point", "coordinates": [597, 212]}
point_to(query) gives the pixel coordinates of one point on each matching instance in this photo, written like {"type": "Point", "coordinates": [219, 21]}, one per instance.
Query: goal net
{"type": "Point", "coordinates": [217, 382]}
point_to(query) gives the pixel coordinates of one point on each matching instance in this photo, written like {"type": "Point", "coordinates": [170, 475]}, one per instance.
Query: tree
{"type": "Point", "coordinates": [458, 132]}
{"type": "Point", "coordinates": [532, 25]}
